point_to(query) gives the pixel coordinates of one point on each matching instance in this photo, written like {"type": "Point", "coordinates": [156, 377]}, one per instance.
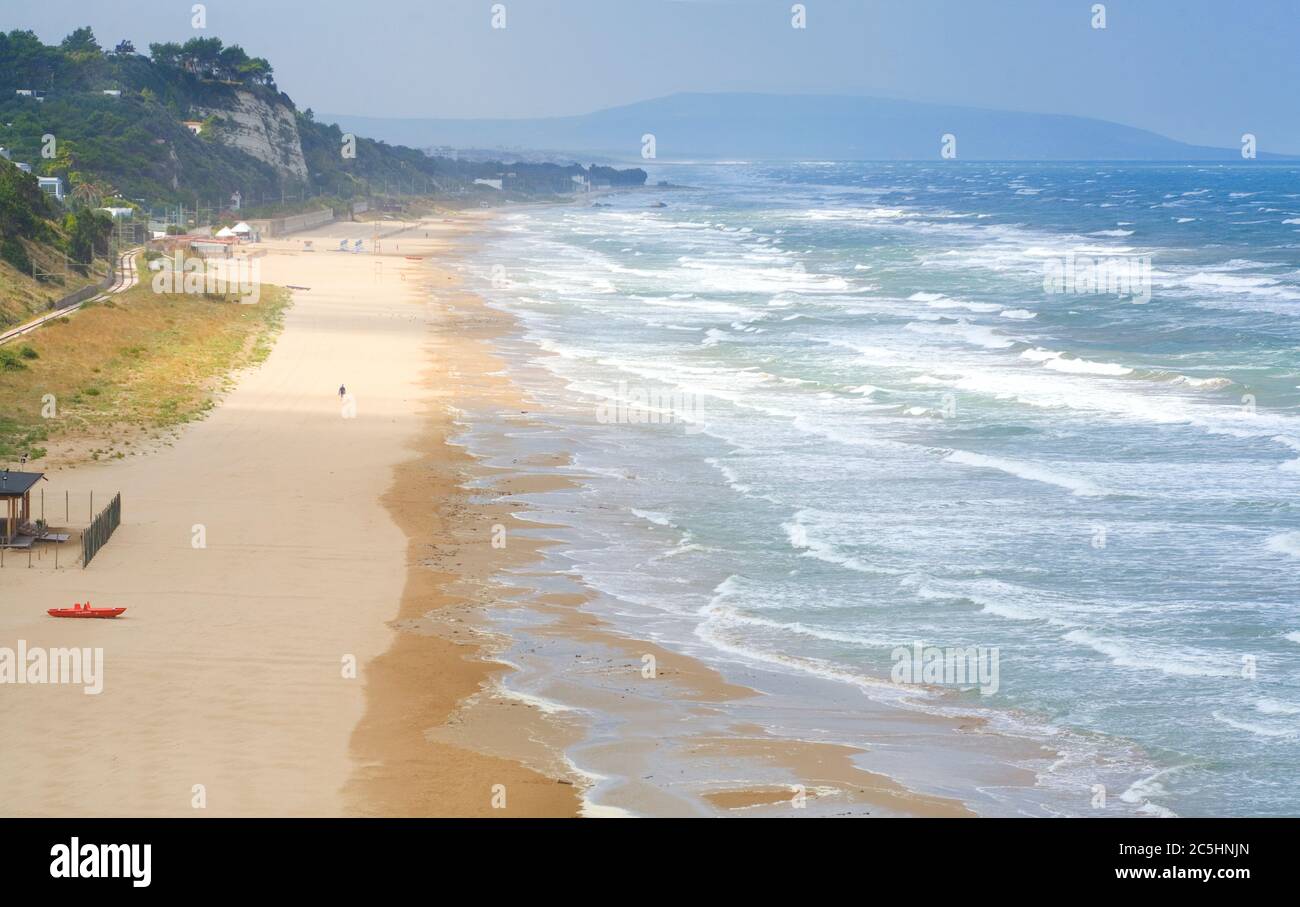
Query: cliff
{"type": "Point", "coordinates": [267, 131]}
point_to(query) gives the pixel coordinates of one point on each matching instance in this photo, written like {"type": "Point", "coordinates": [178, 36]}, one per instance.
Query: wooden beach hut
{"type": "Point", "coordinates": [15, 502]}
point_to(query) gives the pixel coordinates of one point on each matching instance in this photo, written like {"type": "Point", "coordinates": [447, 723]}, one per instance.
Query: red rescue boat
{"type": "Point", "coordinates": [80, 610]}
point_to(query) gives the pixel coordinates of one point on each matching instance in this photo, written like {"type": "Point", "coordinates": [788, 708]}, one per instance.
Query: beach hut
{"type": "Point", "coordinates": [226, 233]}
{"type": "Point", "coordinates": [15, 502]}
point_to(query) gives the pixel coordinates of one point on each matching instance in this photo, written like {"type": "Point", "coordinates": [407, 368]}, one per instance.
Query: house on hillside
{"type": "Point", "coordinates": [194, 126]}
{"type": "Point", "coordinates": [52, 186]}
{"type": "Point", "coordinates": [112, 92]}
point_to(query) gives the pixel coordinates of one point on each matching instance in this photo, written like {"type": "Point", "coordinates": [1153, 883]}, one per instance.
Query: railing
{"type": "Point", "coordinates": [101, 529]}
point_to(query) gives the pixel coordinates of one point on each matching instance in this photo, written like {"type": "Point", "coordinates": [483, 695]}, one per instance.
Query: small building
{"type": "Point", "coordinates": [194, 126]}
{"type": "Point", "coordinates": [492, 184]}
{"type": "Point", "coordinates": [118, 213]}
{"type": "Point", "coordinates": [25, 168]}
{"type": "Point", "coordinates": [16, 503]}
{"type": "Point", "coordinates": [51, 185]}
{"type": "Point", "coordinates": [113, 92]}
{"type": "Point", "coordinates": [24, 92]}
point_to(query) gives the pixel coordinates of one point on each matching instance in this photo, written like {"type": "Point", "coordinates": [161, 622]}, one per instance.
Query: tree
{"type": "Point", "coordinates": [82, 40]}
{"type": "Point", "coordinates": [230, 61]}
{"type": "Point", "coordinates": [257, 71]}
{"type": "Point", "coordinates": [165, 54]}
{"type": "Point", "coordinates": [200, 55]}
{"type": "Point", "coordinates": [87, 232]}
{"type": "Point", "coordinates": [92, 194]}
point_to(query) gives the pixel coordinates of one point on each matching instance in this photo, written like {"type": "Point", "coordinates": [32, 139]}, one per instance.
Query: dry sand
{"type": "Point", "coordinates": [227, 671]}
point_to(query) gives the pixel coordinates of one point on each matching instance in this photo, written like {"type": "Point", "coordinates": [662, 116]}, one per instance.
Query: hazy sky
{"type": "Point", "coordinates": [1203, 71]}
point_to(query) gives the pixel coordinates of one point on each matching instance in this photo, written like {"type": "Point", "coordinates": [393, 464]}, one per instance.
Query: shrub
{"type": "Point", "coordinates": [9, 361]}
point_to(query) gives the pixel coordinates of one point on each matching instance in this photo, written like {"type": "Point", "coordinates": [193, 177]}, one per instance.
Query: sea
{"type": "Point", "coordinates": [823, 414]}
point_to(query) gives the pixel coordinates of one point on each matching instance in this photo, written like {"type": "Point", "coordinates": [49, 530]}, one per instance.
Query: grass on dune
{"type": "Point", "coordinates": [126, 368]}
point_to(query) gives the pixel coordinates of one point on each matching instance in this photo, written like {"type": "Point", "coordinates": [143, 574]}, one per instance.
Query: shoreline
{"type": "Point", "coordinates": [462, 707]}
{"type": "Point", "coordinates": [498, 402]}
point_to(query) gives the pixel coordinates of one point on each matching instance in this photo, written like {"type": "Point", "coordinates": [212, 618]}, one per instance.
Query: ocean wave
{"type": "Point", "coordinates": [651, 516]}
{"type": "Point", "coordinates": [726, 629]}
{"type": "Point", "coordinates": [803, 538]}
{"type": "Point", "coordinates": [1287, 543]}
{"type": "Point", "coordinates": [1142, 794]}
{"type": "Point", "coordinates": [1257, 728]}
{"type": "Point", "coordinates": [1059, 363]}
{"type": "Point", "coordinates": [963, 332]}
{"type": "Point", "coordinates": [1021, 469]}
{"type": "Point", "coordinates": [1147, 657]}
{"type": "Point", "coordinates": [940, 301]}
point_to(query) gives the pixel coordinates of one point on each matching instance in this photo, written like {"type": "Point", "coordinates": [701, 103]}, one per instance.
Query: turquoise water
{"type": "Point", "coordinates": [886, 430]}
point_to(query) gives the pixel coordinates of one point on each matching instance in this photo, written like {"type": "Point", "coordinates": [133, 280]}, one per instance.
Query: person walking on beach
{"type": "Point", "coordinates": [343, 391]}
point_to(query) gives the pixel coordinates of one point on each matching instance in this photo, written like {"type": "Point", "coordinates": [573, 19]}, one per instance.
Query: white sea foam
{"type": "Point", "coordinates": [1258, 728]}
{"type": "Point", "coordinates": [1287, 543]}
{"type": "Point", "coordinates": [651, 516]}
{"type": "Point", "coordinates": [803, 537]}
{"type": "Point", "coordinates": [1141, 793]}
{"type": "Point", "coordinates": [1059, 363]}
{"type": "Point", "coordinates": [1025, 470]}
{"type": "Point", "coordinates": [1145, 656]}
{"type": "Point", "coordinates": [963, 332]}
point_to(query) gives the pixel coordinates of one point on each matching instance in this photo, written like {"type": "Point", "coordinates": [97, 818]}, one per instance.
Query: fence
{"type": "Point", "coordinates": [100, 530]}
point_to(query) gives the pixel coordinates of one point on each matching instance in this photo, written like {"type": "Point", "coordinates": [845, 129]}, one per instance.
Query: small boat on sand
{"type": "Point", "coordinates": [80, 610]}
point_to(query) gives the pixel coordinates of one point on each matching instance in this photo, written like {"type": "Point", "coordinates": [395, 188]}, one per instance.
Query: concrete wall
{"type": "Point", "coordinates": [282, 226]}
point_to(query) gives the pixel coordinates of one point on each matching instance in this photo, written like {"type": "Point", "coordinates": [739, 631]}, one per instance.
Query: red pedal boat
{"type": "Point", "coordinates": [80, 610]}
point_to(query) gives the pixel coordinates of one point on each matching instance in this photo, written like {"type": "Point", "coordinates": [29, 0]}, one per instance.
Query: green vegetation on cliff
{"type": "Point", "coordinates": [118, 122]}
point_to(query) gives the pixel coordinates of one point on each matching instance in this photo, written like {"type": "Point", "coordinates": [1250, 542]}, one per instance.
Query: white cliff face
{"type": "Point", "coordinates": [265, 131]}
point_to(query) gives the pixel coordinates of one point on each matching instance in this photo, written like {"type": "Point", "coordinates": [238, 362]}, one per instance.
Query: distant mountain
{"type": "Point", "coordinates": [799, 127]}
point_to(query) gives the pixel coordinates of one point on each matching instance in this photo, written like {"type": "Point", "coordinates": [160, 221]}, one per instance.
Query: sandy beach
{"type": "Point", "coordinates": [268, 549]}
{"type": "Point", "coordinates": [229, 669]}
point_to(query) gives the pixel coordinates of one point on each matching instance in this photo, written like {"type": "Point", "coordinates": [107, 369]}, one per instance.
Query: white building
{"type": "Point", "coordinates": [51, 185]}
{"type": "Point", "coordinates": [113, 92]}
{"type": "Point", "coordinates": [495, 184]}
